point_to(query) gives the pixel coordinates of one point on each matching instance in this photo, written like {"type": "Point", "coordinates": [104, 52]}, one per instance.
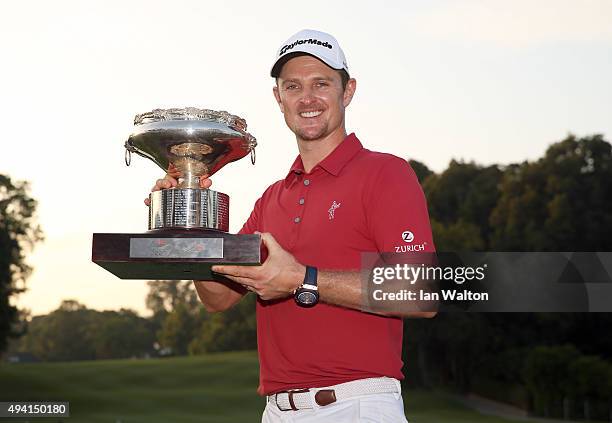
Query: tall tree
{"type": "Point", "coordinates": [18, 234]}
{"type": "Point", "coordinates": [177, 313]}
{"type": "Point", "coordinates": [561, 202]}
{"type": "Point", "coordinates": [460, 201]}
{"type": "Point", "coordinates": [178, 329]}
{"type": "Point", "coordinates": [421, 170]}
{"type": "Point", "coordinates": [165, 296]}
{"type": "Point", "coordinates": [232, 330]}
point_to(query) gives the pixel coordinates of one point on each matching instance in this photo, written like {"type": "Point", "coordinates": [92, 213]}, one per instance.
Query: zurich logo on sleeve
{"type": "Point", "coordinates": [407, 236]}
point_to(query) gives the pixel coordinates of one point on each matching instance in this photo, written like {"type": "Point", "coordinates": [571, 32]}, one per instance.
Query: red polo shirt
{"type": "Point", "coordinates": [354, 201]}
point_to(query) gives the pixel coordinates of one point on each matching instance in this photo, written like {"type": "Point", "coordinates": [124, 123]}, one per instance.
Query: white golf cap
{"type": "Point", "coordinates": [319, 44]}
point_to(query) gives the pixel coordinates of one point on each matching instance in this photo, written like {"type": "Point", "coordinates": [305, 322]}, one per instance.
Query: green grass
{"type": "Point", "coordinates": [215, 388]}
{"type": "Point", "coordinates": [437, 407]}
{"type": "Point", "coordinates": [514, 394]}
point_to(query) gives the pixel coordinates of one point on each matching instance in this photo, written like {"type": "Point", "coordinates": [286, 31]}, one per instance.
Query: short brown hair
{"type": "Point", "coordinates": [344, 76]}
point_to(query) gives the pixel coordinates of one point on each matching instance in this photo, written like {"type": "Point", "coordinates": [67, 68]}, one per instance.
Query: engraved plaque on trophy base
{"type": "Point", "coordinates": [173, 254]}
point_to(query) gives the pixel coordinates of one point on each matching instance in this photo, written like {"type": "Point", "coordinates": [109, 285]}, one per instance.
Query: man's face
{"type": "Point", "coordinates": [311, 96]}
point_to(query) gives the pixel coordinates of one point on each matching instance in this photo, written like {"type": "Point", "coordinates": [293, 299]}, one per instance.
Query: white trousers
{"type": "Point", "coordinates": [372, 408]}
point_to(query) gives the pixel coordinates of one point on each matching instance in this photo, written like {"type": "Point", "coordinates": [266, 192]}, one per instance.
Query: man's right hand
{"type": "Point", "coordinates": [171, 181]}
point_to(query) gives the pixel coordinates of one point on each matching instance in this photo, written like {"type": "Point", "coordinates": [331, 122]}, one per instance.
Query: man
{"type": "Point", "coordinates": [322, 357]}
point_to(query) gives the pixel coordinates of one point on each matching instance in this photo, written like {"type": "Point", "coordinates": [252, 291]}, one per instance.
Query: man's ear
{"type": "Point", "coordinates": [349, 92]}
{"type": "Point", "coordinates": [278, 99]}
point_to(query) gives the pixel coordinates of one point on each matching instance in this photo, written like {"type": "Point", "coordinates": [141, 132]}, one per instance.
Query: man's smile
{"type": "Point", "coordinates": [311, 114]}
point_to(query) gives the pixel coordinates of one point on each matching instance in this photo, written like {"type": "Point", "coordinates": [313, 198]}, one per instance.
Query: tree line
{"type": "Point", "coordinates": [178, 326]}
{"type": "Point", "coordinates": [560, 202]}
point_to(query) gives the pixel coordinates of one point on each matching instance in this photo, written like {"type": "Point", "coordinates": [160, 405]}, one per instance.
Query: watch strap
{"type": "Point", "coordinates": [310, 278]}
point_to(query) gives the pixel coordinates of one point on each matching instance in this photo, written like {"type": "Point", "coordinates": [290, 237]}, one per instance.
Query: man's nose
{"type": "Point", "coordinates": [307, 97]}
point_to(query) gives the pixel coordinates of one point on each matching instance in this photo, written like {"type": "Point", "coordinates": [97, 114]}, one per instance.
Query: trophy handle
{"type": "Point", "coordinates": [128, 155]}
{"type": "Point", "coordinates": [238, 124]}
{"type": "Point", "coordinates": [252, 144]}
{"type": "Point", "coordinates": [129, 149]}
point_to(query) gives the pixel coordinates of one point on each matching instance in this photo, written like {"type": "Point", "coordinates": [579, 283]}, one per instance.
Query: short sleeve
{"type": "Point", "coordinates": [253, 222]}
{"type": "Point", "coordinates": [397, 215]}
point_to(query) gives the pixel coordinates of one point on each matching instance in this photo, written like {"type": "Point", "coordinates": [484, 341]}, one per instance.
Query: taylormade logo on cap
{"type": "Point", "coordinates": [284, 48]}
{"type": "Point", "coordinates": [319, 44]}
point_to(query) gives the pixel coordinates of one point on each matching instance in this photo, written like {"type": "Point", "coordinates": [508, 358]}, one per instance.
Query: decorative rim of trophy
{"type": "Point", "coordinates": [191, 113]}
{"type": "Point", "coordinates": [190, 142]}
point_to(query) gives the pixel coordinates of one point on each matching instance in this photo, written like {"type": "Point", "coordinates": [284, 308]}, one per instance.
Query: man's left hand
{"type": "Point", "coordinates": [276, 278]}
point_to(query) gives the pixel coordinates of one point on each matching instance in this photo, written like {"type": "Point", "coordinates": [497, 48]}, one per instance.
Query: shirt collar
{"type": "Point", "coordinates": [334, 162]}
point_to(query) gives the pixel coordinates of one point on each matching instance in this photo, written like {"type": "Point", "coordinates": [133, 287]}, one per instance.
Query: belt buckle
{"type": "Point", "coordinates": [325, 397]}
{"type": "Point", "coordinates": [290, 396]}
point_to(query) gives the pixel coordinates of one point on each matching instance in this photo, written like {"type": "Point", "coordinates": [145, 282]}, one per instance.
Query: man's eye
{"type": "Point", "coordinates": [291, 87]}
{"type": "Point", "coordinates": [322, 84]}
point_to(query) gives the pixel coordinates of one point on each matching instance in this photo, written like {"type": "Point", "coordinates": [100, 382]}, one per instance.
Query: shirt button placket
{"type": "Point", "coordinates": [301, 202]}
{"type": "Point", "coordinates": [299, 212]}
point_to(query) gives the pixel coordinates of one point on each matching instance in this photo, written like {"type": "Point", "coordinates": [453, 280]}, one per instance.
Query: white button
{"type": "Point", "coordinates": [297, 220]}
{"type": "Point", "coordinates": [306, 182]}
{"type": "Point", "coordinates": [301, 201]}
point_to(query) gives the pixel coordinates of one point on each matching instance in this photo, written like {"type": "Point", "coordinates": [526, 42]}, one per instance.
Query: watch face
{"type": "Point", "coordinates": [306, 298]}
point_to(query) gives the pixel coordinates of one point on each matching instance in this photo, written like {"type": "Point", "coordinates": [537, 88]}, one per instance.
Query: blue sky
{"type": "Point", "coordinates": [489, 81]}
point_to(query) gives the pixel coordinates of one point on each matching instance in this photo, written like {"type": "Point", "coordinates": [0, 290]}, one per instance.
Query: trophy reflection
{"type": "Point", "coordinates": [187, 224]}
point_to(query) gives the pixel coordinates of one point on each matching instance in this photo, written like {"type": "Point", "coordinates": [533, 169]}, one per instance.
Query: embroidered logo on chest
{"type": "Point", "coordinates": [332, 209]}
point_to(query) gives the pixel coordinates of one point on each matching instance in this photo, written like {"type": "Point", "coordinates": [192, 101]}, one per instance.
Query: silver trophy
{"type": "Point", "coordinates": [187, 225]}
{"type": "Point", "coordinates": [194, 142]}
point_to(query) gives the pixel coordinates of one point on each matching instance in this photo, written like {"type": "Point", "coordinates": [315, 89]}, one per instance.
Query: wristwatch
{"type": "Point", "coordinates": [307, 295]}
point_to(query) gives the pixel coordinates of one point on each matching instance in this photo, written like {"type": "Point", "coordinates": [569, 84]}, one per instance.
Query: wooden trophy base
{"type": "Point", "coordinates": [173, 254]}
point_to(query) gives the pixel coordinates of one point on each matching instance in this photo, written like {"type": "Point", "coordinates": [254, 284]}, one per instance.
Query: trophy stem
{"type": "Point", "coordinates": [189, 181]}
